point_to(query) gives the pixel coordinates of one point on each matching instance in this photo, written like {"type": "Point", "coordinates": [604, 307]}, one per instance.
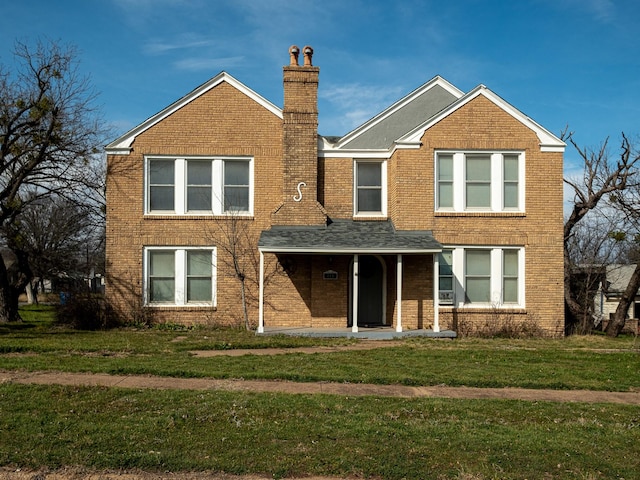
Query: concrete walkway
{"type": "Point", "coordinates": [328, 388]}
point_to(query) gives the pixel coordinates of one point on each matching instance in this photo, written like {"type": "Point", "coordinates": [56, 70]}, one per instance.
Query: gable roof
{"type": "Point", "coordinates": [381, 131]}
{"type": "Point", "coordinates": [548, 141]}
{"type": "Point", "coordinates": [618, 277]}
{"type": "Point", "coordinates": [122, 145]}
{"type": "Point", "coordinates": [403, 124]}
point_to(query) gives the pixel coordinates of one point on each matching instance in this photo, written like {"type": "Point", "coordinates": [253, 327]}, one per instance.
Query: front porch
{"type": "Point", "coordinates": [373, 333]}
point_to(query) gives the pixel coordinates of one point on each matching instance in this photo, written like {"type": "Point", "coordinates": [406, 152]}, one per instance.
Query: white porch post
{"type": "Point", "coordinates": [354, 308]}
{"type": "Point", "coordinates": [261, 296]}
{"type": "Point", "coordinates": [436, 293]}
{"type": "Point", "coordinates": [399, 294]}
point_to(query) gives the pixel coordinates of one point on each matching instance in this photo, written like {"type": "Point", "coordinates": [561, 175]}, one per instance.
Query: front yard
{"type": "Point", "coordinates": [281, 435]}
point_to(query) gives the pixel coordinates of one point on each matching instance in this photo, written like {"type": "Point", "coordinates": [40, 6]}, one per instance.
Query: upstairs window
{"type": "Point", "coordinates": [161, 185]}
{"type": "Point", "coordinates": [236, 186]}
{"type": "Point", "coordinates": [202, 186]}
{"type": "Point", "coordinates": [370, 189]}
{"type": "Point", "coordinates": [479, 181]}
{"type": "Point", "coordinates": [199, 186]}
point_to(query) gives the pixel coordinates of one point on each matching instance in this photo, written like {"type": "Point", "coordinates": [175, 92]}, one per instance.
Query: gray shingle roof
{"type": "Point", "coordinates": [348, 236]}
{"type": "Point", "coordinates": [397, 124]}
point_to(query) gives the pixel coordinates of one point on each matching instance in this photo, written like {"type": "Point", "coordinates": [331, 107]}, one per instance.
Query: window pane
{"type": "Point", "coordinates": [162, 290]}
{"type": "Point", "coordinates": [199, 289]}
{"type": "Point", "coordinates": [478, 195]}
{"type": "Point", "coordinates": [510, 181]}
{"type": "Point", "coordinates": [511, 168]}
{"type": "Point", "coordinates": [478, 275]}
{"type": "Point", "coordinates": [161, 198]}
{"type": "Point", "coordinates": [199, 198]}
{"type": "Point", "coordinates": [161, 263]}
{"type": "Point", "coordinates": [445, 195]}
{"type": "Point", "coordinates": [510, 195]}
{"type": "Point", "coordinates": [445, 167]}
{"type": "Point", "coordinates": [478, 168]}
{"type": "Point", "coordinates": [370, 200]}
{"type": "Point", "coordinates": [478, 262]}
{"type": "Point", "coordinates": [478, 184]}
{"type": "Point", "coordinates": [510, 290]}
{"type": "Point", "coordinates": [199, 263]}
{"type": "Point", "coordinates": [199, 172]}
{"type": "Point", "coordinates": [236, 199]}
{"type": "Point", "coordinates": [477, 290]}
{"type": "Point", "coordinates": [161, 184]}
{"type": "Point", "coordinates": [511, 263]}
{"type": "Point", "coordinates": [445, 283]}
{"type": "Point", "coordinates": [444, 262]}
{"type": "Point", "coordinates": [236, 172]}
{"type": "Point", "coordinates": [161, 172]}
{"type": "Point", "coordinates": [369, 175]}
{"type": "Point", "coordinates": [510, 276]}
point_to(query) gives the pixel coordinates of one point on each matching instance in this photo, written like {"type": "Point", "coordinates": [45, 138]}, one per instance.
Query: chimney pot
{"type": "Point", "coordinates": [308, 54]}
{"type": "Point", "coordinates": [294, 51]}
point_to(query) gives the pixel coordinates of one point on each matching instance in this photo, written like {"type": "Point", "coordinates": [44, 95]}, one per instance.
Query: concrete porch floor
{"type": "Point", "coordinates": [368, 333]}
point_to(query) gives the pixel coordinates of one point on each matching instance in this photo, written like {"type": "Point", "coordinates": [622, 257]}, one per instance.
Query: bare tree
{"type": "Point", "coordinates": [236, 238]}
{"type": "Point", "coordinates": [591, 249]}
{"type": "Point", "coordinates": [49, 133]}
{"type": "Point", "coordinates": [601, 178]}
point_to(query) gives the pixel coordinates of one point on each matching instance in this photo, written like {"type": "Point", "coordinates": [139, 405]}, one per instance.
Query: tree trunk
{"type": "Point", "coordinates": [32, 297]}
{"type": "Point", "coordinates": [244, 303]}
{"type": "Point", "coordinates": [574, 311]}
{"type": "Point", "coordinates": [619, 317]}
{"type": "Point", "coordinates": [8, 298]}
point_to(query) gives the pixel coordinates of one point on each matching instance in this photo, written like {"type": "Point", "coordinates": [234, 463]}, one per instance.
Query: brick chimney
{"type": "Point", "coordinates": [300, 143]}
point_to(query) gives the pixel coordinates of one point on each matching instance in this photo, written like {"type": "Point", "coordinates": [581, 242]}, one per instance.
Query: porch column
{"type": "Point", "coordinates": [354, 308]}
{"type": "Point", "coordinates": [261, 296]}
{"type": "Point", "coordinates": [399, 294]}
{"type": "Point", "coordinates": [436, 293]}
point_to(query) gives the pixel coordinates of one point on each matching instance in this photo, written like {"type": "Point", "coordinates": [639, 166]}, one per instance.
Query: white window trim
{"type": "Point", "coordinates": [497, 181]}
{"type": "Point", "coordinates": [180, 186]}
{"type": "Point", "coordinates": [383, 179]}
{"type": "Point", "coordinates": [180, 271]}
{"type": "Point", "coordinates": [458, 267]}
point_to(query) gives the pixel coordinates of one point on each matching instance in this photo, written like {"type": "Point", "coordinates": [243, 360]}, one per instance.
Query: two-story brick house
{"type": "Point", "coordinates": [443, 210]}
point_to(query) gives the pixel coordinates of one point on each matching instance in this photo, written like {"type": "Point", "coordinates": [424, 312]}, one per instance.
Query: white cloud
{"type": "Point", "coordinates": [158, 47]}
{"type": "Point", "coordinates": [210, 64]}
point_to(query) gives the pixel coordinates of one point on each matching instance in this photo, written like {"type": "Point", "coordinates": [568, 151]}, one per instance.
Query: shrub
{"type": "Point", "coordinates": [85, 312]}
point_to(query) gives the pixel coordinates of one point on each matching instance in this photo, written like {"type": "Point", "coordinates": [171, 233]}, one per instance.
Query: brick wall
{"type": "Point", "coordinates": [222, 121]}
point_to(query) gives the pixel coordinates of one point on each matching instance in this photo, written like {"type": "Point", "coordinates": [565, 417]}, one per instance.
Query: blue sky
{"type": "Point", "coordinates": [562, 62]}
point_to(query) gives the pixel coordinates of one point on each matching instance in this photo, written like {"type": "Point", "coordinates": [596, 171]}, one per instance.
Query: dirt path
{"type": "Point", "coordinates": [330, 388]}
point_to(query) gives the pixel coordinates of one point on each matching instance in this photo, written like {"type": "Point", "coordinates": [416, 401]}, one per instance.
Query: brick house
{"type": "Point", "coordinates": [444, 211]}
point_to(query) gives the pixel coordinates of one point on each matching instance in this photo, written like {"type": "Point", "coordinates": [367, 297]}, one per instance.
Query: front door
{"type": "Point", "coordinates": [370, 292]}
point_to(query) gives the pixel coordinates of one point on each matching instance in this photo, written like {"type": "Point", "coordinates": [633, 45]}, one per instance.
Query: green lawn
{"type": "Point", "coordinates": [284, 435]}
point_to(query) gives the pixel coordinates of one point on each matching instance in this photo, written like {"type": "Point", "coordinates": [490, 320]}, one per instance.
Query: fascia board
{"type": "Point", "coordinates": [349, 251]}
{"type": "Point", "coordinates": [548, 141]}
{"type": "Point", "coordinates": [435, 81]}
{"type": "Point", "coordinates": [122, 145]}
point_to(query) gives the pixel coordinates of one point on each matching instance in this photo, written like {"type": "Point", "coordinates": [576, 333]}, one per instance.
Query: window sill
{"type": "Point", "coordinates": [194, 216]}
{"type": "Point", "coordinates": [470, 213]}
{"type": "Point", "coordinates": [188, 307]}
{"type": "Point", "coordinates": [484, 309]}
{"type": "Point", "coordinates": [371, 216]}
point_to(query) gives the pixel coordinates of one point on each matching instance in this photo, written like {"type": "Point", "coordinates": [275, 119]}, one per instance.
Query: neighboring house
{"type": "Point", "coordinates": [609, 293]}
{"type": "Point", "coordinates": [444, 209]}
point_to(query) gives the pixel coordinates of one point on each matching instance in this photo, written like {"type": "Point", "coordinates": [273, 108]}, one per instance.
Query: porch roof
{"type": "Point", "coordinates": [348, 237]}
